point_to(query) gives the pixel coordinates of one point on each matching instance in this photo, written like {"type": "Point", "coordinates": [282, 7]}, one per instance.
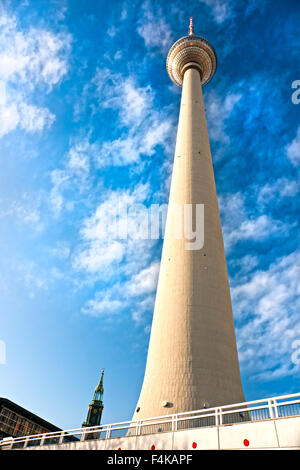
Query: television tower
{"type": "Point", "coordinates": [192, 358]}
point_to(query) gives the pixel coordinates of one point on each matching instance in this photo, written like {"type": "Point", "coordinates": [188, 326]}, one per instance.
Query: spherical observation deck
{"type": "Point", "coordinates": [191, 51]}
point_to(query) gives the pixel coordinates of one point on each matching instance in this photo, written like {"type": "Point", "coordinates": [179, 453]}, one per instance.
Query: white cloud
{"type": "Point", "coordinates": [15, 113]}
{"type": "Point", "coordinates": [135, 295]}
{"type": "Point", "coordinates": [79, 156]}
{"type": "Point", "coordinates": [25, 211]}
{"type": "Point", "coordinates": [122, 151]}
{"type": "Point", "coordinates": [240, 224]}
{"type": "Point", "coordinates": [145, 281]}
{"type": "Point", "coordinates": [61, 250]}
{"type": "Point", "coordinates": [220, 9]}
{"type": "Point", "coordinates": [112, 31]}
{"type": "Point", "coordinates": [267, 305]}
{"type": "Point", "coordinates": [116, 92]}
{"type": "Point", "coordinates": [99, 255]}
{"type": "Point", "coordinates": [33, 118]}
{"type": "Point", "coordinates": [257, 228]}
{"type": "Point", "coordinates": [128, 150]}
{"type": "Point", "coordinates": [140, 309]}
{"type": "Point", "coordinates": [293, 149]}
{"type": "Point", "coordinates": [31, 58]}
{"type": "Point", "coordinates": [156, 135]}
{"type": "Point", "coordinates": [9, 117]}
{"type": "Point", "coordinates": [146, 128]}
{"type": "Point", "coordinates": [223, 10]}
{"type": "Point", "coordinates": [102, 243]}
{"type": "Point", "coordinates": [104, 256]}
{"type": "Point", "coordinates": [58, 178]}
{"type": "Point", "coordinates": [124, 12]}
{"type": "Point", "coordinates": [217, 113]}
{"type": "Point", "coordinates": [75, 174]}
{"type": "Point", "coordinates": [154, 30]}
{"type": "Point", "coordinates": [102, 307]}
{"type": "Point", "coordinates": [118, 55]}
{"type": "Point", "coordinates": [283, 187]}
{"type": "Point", "coordinates": [246, 264]}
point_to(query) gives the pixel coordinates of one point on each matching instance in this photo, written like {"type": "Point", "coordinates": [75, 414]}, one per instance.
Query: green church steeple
{"type": "Point", "coordinates": [96, 406]}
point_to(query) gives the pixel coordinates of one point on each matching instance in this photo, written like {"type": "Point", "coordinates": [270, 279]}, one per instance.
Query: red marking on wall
{"type": "Point", "coordinates": [246, 442]}
{"type": "Point", "coordinates": [194, 445]}
{"type": "Point", "coordinates": [153, 447]}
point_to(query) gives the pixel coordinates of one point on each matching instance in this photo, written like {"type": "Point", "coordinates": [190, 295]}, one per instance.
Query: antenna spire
{"type": "Point", "coordinates": [191, 27]}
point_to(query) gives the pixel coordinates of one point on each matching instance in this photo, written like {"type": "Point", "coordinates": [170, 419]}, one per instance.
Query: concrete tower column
{"type": "Point", "coordinates": [192, 358]}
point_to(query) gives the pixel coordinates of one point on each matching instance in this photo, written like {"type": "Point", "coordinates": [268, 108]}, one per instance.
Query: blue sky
{"type": "Point", "coordinates": [88, 119]}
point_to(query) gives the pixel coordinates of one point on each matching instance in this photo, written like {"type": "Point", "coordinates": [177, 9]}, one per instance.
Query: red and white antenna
{"type": "Point", "coordinates": [191, 27]}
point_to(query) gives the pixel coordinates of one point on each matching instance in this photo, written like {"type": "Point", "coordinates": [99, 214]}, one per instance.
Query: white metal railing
{"type": "Point", "coordinates": [258, 410]}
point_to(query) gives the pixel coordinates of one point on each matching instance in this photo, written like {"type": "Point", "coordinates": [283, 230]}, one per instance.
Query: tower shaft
{"type": "Point", "coordinates": [192, 358]}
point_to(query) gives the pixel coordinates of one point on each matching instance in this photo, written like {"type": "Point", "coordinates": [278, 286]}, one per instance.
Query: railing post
{"type": "Point", "coordinates": [61, 438]}
{"type": "Point", "coordinates": [216, 417]}
{"type": "Point", "coordinates": [138, 428]}
{"type": "Point", "coordinates": [42, 440]}
{"type": "Point", "coordinates": [83, 433]}
{"type": "Point", "coordinates": [108, 432]}
{"type": "Point", "coordinates": [276, 409]}
{"type": "Point", "coordinates": [220, 417]}
{"type": "Point", "coordinates": [270, 409]}
{"type": "Point", "coordinates": [26, 442]}
{"type": "Point", "coordinates": [174, 423]}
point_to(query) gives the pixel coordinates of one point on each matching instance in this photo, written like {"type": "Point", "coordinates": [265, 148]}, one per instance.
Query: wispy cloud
{"type": "Point", "coordinates": [244, 224]}
{"type": "Point", "coordinates": [218, 110]}
{"type": "Point", "coordinates": [74, 179]}
{"type": "Point", "coordinates": [293, 149]}
{"type": "Point", "coordinates": [125, 265]}
{"type": "Point", "coordinates": [153, 28]}
{"type": "Point", "coordinates": [26, 210]}
{"type": "Point", "coordinates": [101, 246]}
{"type": "Point", "coordinates": [103, 306]}
{"type": "Point", "coordinates": [145, 281]}
{"type": "Point", "coordinates": [32, 57]}
{"type": "Point", "coordinates": [28, 59]}
{"type": "Point", "coordinates": [135, 295]}
{"type": "Point", "coordinates": [142, 127]}
{"type": "Point", "coordinates": [16, 113]}
{"type": "Point", "coordinates": [267, 307]}
{"type": "Point", "coordinates": [221, 9]}
{"type": "Point", "coordinates": [281, 188]}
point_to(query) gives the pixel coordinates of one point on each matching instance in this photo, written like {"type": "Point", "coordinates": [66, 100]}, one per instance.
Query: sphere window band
{"type": "Point", "coordinates": [188, 50]}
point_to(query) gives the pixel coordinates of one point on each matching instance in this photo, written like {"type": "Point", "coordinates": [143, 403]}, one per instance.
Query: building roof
{"type": "Point", "coordinates": [27, 414]}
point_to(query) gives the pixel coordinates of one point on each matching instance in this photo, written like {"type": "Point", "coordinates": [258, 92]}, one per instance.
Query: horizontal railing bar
{"type": "Point", "coordinates": [265, 400]}
{"type": "Point", "coordinates": [185, 418]}
{"type": "Point", "coordinates": [164, 419]}
{"type": "Point", "coordinates": [245, 410]}
{"type": "Point", "coordinates": [283, 397]}
{"type": "Point", "coordinates": [288, 403]}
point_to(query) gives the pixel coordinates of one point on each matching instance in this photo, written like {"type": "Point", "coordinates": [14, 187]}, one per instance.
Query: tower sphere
{"type": "Point", "coordinates": [191, 51]}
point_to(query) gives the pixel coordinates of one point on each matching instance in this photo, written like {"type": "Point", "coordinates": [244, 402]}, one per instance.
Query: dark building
{"type": "Point", "coordinates": [15, 421]}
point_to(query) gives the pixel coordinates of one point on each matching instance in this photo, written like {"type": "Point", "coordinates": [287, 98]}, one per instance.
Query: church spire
{"type": "Point", "coordinates": [96, 406]}
{"type": "Point", "coordinates": [99, 390]}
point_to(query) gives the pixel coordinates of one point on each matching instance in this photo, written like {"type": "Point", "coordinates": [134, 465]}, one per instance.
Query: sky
{"type": "Point", "coordinates": [88, 120]}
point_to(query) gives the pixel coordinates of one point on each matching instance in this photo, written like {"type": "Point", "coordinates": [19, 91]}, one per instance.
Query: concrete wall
{"type": "Point", "coordinates": [281, 433]}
